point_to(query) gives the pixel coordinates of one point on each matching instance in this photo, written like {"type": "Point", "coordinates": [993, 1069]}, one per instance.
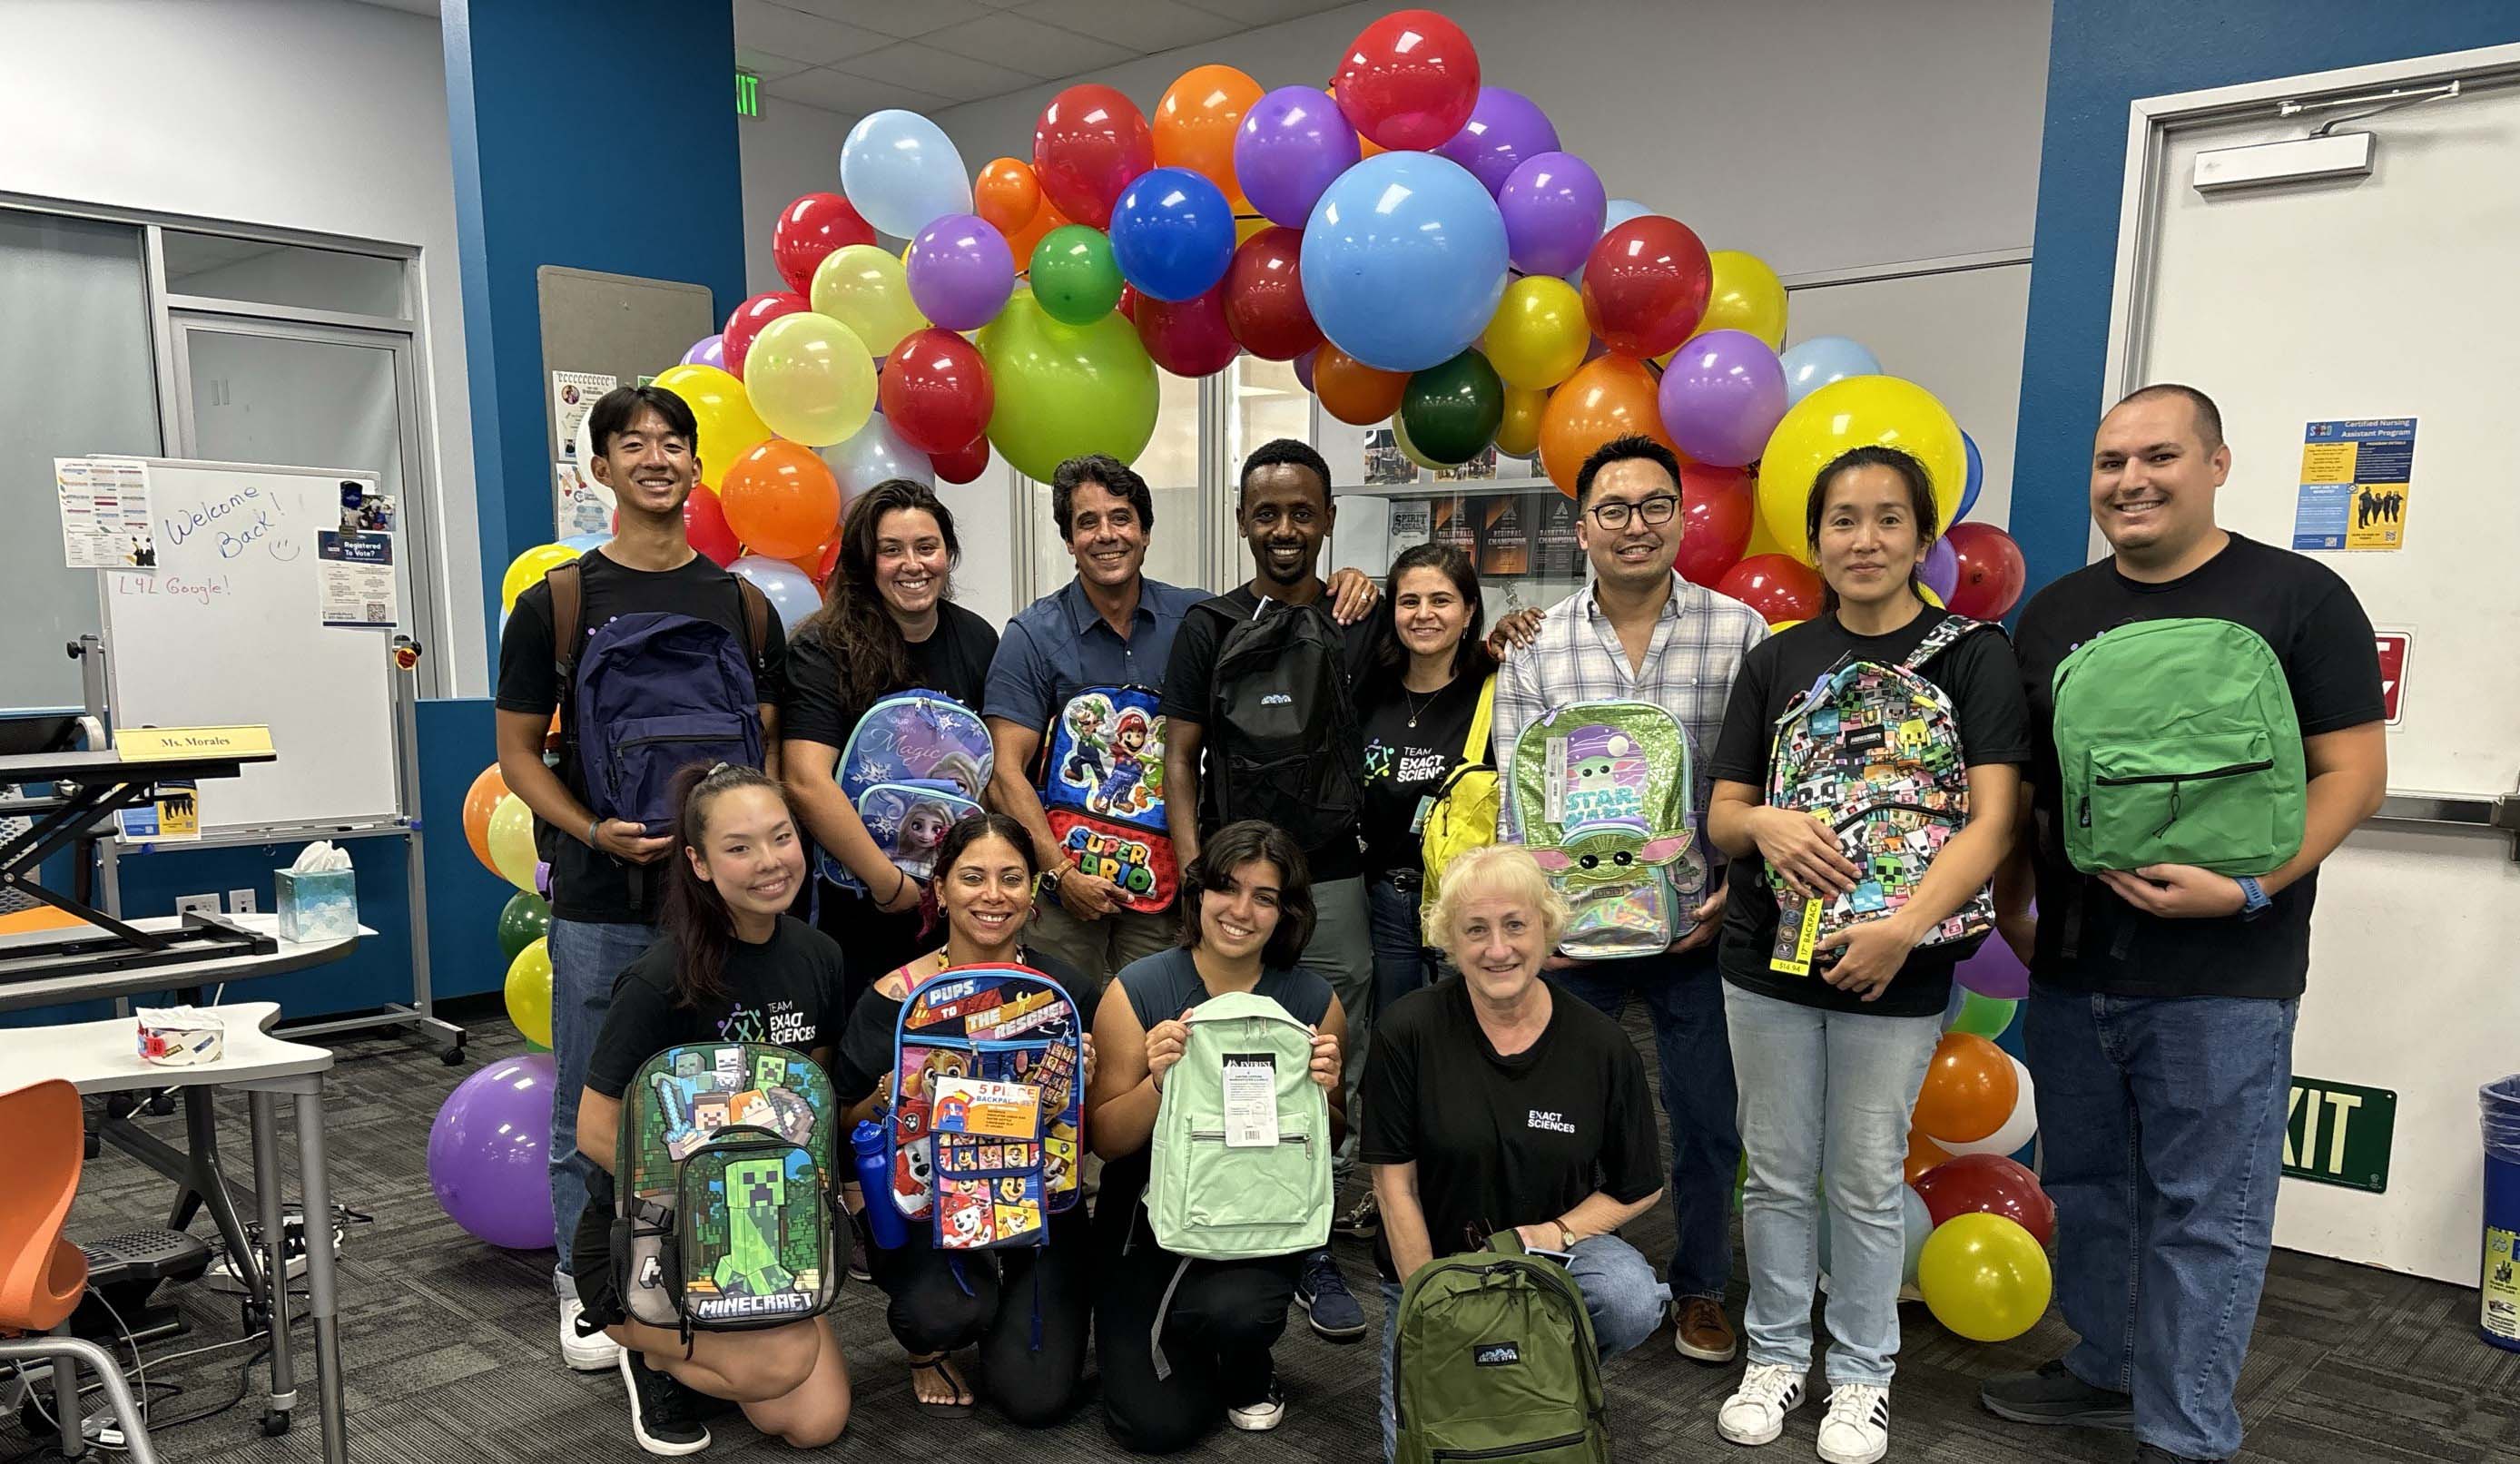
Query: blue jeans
{"type": "Point", "coordinates": [1401, 963]}
{"type": "Point", "coordinates": [1620, 1293]}
{"type": "Point", "coordinates": [1686, 999]}
{"type": "Point", "coordinates": [2162, 1124]}
{"type": "Point", "coordinates": [1820, 1084]}
{"type": "Point", "coordinates": [584, 959]}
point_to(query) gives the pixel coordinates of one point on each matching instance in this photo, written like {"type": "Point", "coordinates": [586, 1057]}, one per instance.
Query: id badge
{"type": "Point", "coordinates": [1418, 820]}
{"type": "Point", "coordinates": [1250, 1100]}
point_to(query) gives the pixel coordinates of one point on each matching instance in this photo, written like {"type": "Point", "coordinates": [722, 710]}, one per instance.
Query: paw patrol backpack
{"type": "Point", "coordinates": [1602, 796]}
{"type": "Point", "coordinates": [988, 1106]}
{"type": "Point", "coordinates": [1102, 788]}
{"type": "Point", "coordinates": [915, 763]}
{"type": "Point", "coordinates": [722, 1180]}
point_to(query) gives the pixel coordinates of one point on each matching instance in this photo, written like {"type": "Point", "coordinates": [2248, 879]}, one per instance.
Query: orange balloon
{"type": "Point", "coordinates": [1354, 392]}
{"type": "Point", "coordinates": [1922, 1154]}
{"type": "Point", "coordinates": [479, 802]}
{"type": "Point", "coordinates": [1022, 242]}
{"type": "Point", "coordinates": [1609, 396]}
{"type": "Point", "coordinates": [1007, 195]}
{"type": "Point", "coordinates": [780, 500]}
{"type": "Point", "coordinates": [1196, 121]}
{"type": "Point", "coordinates": [1969, 1091]}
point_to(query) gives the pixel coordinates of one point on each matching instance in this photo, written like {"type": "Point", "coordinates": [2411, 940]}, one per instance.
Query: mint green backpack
{"type": "Point", "coordinates": [1497, 1361]}
{"type": "Point", "coordinates": [1241, 1148]}
{"type": "Point", "coordinates": [2177, 743]}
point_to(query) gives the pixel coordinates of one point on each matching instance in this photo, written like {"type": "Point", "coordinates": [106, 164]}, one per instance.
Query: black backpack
{"type": "Point", "coordinates": [1281, 726]}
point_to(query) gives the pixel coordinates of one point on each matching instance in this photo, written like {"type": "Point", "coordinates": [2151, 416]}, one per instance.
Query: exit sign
{"type": "Point", "coordinates": [2395, 647]}
{"type": "Point", "coordinates": [747, 95]}
{"type": "Point", "coordinates": [2338, 1133]}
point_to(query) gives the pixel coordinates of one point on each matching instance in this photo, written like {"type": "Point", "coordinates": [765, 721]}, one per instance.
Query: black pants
{"type": "Point", "coordinates": [873, 944]}
{"type": "Point", "coordinates": [1028, 1309]}
{"type": "Point", "coordinates": [1223, 1319]}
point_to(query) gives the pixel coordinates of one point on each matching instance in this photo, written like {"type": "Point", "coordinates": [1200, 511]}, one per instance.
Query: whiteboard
{"type": "Point", "coordinates": [228, 631]}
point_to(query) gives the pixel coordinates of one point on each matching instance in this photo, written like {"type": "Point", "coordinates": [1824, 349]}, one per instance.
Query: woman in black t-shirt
{"type": "Point", "coordinates": [1830, 1061]}
{"type": "Point", "coordinates": [731, 965]}
{"type": "Point", "coordinates": [888, 625]}
{"type": "Point", "coordinates": [1028, 1309]}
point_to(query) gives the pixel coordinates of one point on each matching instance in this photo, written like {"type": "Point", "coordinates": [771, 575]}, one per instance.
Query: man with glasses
{"type": "Point", "coordinates": [1641, 632]}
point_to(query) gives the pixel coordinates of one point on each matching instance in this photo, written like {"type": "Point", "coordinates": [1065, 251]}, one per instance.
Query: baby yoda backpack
{"type": "Point", "coordinates": [988, 1106]}
{"type": "Point", "coordinates": [913, 758]}
{"type": "Point", "coordinates": [1103, 789]}
{"type": "Point", "coordinates": [1601, 795]}
{"type": "Point", "coordinates": [1873, 751]}
{"type": "Point", "coordinates": [721, 1183]}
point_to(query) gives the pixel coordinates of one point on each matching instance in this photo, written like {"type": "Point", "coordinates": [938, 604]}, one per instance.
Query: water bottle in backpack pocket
{"type": "Point", "coordinates": [987, 1116]}
{"type": "Point", "coordinates": [1103, 790]}
{"type": "Point", "coordinates": [1601, 797]}
{"type": "Point", "coordinates": [1494, 1359]}
{"type": "Point", "coordinates": [1241, 1154]}
{"type": "Point", "coordinates": [918, 751]}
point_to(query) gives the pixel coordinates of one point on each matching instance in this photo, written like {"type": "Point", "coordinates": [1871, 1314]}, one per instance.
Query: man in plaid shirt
{"type": "Point", "coordinates": [1641, 632]}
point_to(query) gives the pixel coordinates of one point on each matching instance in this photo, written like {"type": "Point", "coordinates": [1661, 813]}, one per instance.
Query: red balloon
{"type": "Point", "coordinates": [1410, 81]}
{"type": "Point", "coordinates": [953, 468]}
{"type": "Point", "coordinates": [1646, 284]}
{"type": "Point", "coordinates": [749, 319]}
{"type": "Point", "coordinates": [1090, 143]}
{"type": "Point", "coordinates": [1780, 587]}
{"type": "Point", "coordinates": [1188, 337]}
{"type": "Point", "coordinates": [1987, 1184]}
{"type": "Point", "coordinates": [935, 391]}
{"type": "Point", "coordinates": [1716, 507]}
{"type": "Point", "coordinates": [1264, 296]}
{"type": "Point", "coordinates": [810, 229]}
{"type": "Point", "coordinates": [1991, 571]}
{"type": "Point", "coordinates": [704, 524]}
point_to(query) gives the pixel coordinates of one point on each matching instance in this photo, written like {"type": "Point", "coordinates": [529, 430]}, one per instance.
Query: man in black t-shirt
{"type": "Point", "coordinates": [606, 878]}
{"type": "Point", "coordinates": [2161, 1012]}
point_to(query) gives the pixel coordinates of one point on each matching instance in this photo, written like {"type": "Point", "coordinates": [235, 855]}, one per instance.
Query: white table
{"type": "Point", "coordinates": [95, 986]}
{"type": "Point", "coordinates": [100, 1057]}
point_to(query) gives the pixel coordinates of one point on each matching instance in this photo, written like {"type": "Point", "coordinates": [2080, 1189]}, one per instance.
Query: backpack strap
{"type": "Point", "coordinates": [567, 585]}
{"type": "Point", "coordinates": [1482, 722]}
{"type": "Point", "coordinates": [756, 618]}
{"type": "Point", "coordinates": [1940, 639]}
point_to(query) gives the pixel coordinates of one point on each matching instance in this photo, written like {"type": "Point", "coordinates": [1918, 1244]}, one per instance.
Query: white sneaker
{"type": "Point", "coordinates": [1756, 1411]}
{"type": "Point", "coordinates": [592, 1353]}
{"type": "Point", "coordinates": [1857, 1430]}
{"type": "Point", "coordinates": [1262, 1416]}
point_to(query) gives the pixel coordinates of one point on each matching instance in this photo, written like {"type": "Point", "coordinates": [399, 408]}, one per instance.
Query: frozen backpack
{"type": "Point", "coordinates": [988, 1106]}
{"type": "Point", "coordinates": [1601, 797]}
{"type": "Point", "coordinates": [722, 1180]}
{"type": "Point", "coordinates": [1873, 751]}
{"type": "Point", "coordinates": [1103, 789]}
{"type": "Point", "coordinates": [1240, 1152]}
{"type": "Point", "coordinates": [913, 760]}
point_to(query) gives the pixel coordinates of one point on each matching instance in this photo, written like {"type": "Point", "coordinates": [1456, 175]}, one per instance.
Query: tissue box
{"type": "Point", "coordinates": [318, 907]}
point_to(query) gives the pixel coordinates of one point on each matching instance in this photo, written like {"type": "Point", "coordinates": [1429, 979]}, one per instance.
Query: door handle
{"type": "Point", "coordinates": [2497, 812]}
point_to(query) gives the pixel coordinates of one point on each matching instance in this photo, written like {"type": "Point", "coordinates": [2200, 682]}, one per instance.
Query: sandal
{"type": "Point", "coordinates": [938, 1364]}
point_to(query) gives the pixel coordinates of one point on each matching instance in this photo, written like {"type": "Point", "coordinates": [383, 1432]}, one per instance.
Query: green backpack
{"type": "Point", "coordinates": [2176, 744]}
{"type": "Point", "coordinates": [1497, 1362]}
{"type": "Point", "coordinates": [1241, 1149]}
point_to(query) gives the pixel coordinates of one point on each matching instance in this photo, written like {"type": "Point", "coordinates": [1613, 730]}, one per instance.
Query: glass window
{"type": "Point", "coordinates": [219, 267]}
{"type": "Point", "coordinates": [1170, 464]}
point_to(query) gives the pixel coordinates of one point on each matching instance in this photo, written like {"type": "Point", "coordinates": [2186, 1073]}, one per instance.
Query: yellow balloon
{"type": "Point", "coordinates": [511, 842]}
{"type": "Point", "coordinates": [867, 289]}
{"type": "Point", "coordinates": [1747, 297]}
{"type": "Point", "coordinates": [811, 379]}
{"type": "Point", "coordinates": [1779, 627]}
{"type": "Point", "coordinates": [1984, 1276]}
{"type": "Point", "coordinates": [1858, 412]}
{"type": "Point", "coordinates": [1409, 449]}
{"type": "Point", "coordinates": [1246, 225]}
{"type": "Point", "coordinates": [729, 426]}
{"type": "Point", "coordinates": [1931, 598]}
{"type": "Point", "coordinates": [1763, 542]}
{"type": "Point", "coordinates": [1518, 432]}
{"type": "Point", "coordinates": [1538, 336]}
{"type": "Point", "coordinates": [527, 569]}
{"type": "Point", "coordinates": [529, 993]}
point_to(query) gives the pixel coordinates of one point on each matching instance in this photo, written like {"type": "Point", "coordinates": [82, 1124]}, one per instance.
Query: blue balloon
{"type": "Point", "coordinates": [584, 542]}
{"type": "Point", "coordinates": [1172, 233]}
{"type": "Point", "coordinates": [1914, 1222]}
{"type": "Point", "coordinates": [1976, 477]}
{"type": "Point", "coordinates": [902, 172]}
{"type": "Point", "coordinates": [783, 585]}
{"type": "Point", "coordinates": [1815, 363]}
{"type": "Point", "coordinates": [1617, 212]}
{"type": "Point", "coordinates": [1404, 261]}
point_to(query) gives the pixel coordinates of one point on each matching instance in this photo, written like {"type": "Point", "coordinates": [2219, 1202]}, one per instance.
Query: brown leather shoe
{"type": "Point", "coordinates": [1699, 1332]}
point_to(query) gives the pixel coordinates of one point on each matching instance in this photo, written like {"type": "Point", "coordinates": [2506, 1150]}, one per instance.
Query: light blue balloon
{"type": "Point", "coordinates": [1976, 477]}
{"type": "Point", "coordinates": [584, 542]}
{"type": "Point", "coordinates": [1618, 211]}
{"type": "Point", "coordinates": [1917, 1223]}
{"type": "Point", "coordinates": [783, 585]}
{"type": "Point", "coordinates": [1404, 261]}
{"type": "Point", "coordinates": [1815, 363]}
{"type": "Point", "coordinates": [877, 454]}
{"type": "Point", "coordinates": [902, 172]}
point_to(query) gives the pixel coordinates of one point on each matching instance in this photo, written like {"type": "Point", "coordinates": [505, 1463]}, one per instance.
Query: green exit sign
{"type": "Point", "coordinates": [2338, 1133]}
{"type": "Point", "coordinates": [747, 95]}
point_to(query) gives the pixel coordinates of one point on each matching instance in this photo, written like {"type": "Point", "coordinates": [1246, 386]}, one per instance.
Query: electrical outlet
{"type": "Point", "coordinates": [241, 902]}
{"type": "Point", "coordinates": [206, 904]}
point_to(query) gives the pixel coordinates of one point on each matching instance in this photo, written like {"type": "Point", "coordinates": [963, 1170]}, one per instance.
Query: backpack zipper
{"type": "Point", "coordinates": [2175, 780]}
{"type": "Point", "coordinates": [1867, 811]}
{"type": "Point", "coordinates": [1508, 1450]}
{"type": "Point", "coordinates": [1567, 1295]}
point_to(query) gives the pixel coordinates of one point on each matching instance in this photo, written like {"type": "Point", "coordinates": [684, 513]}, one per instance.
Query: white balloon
{"type": "Point", "coordinates": [874, 455]}
{"type": "Point", "coordinates": [789, 592]}
{"type": "Point", "coordinates": [2017, 1130]}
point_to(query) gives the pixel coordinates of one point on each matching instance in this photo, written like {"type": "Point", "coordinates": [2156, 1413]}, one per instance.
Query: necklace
{"type": "Point", "coordinates": [1417, 708]}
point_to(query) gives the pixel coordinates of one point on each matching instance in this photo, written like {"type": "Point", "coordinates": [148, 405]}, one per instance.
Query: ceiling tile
{"type": "Point", "coordinates": [1251, 15]}
{"type": "Point", "coordinates": [812, 40]}
{"type": "Point", "coordinates": [1148, 25]}
{"type": "Point", "coordinates": [1029, 46]}
{"type": "Point", "coordinates": [765, 65]}
{"type": "Point", "coordinates": [854, 95]}
{"type": "Point", "coordinates": [923, 68]}
{"type": "Point", "coordinates": [900, 18]}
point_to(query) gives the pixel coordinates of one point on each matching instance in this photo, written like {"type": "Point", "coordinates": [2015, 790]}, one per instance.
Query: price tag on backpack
{"type": "Point", "coordinates": [1250, 1100]}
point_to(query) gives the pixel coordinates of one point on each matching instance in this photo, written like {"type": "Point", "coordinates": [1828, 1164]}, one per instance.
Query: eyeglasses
{"type": "Point", "coordinates": [1657, 510]}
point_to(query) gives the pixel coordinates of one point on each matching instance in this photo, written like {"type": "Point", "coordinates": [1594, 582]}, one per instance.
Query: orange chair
{"type": "Point", "coordinates": [42, 1275]}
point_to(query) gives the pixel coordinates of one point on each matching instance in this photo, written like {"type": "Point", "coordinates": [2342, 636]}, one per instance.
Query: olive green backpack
{"type": "Point", "coordinates": [1496, 1362]}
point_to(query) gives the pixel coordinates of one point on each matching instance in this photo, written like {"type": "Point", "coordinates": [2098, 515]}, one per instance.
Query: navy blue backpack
{"type": "Point", "coordinates": [655, 694]}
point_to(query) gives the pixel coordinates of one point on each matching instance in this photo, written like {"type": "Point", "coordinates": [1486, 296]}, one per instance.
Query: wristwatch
{"type": "Point", "coordinates": [1565, 1237]}
{"type": "Point", "coordinates": [1050, 879]}
{"type": "Point", "coordinates": [2254, 900]}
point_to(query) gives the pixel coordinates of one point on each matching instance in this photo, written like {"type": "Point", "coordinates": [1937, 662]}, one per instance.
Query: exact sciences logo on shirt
{"type": "Point", "coordinates": [781, 1024]}
{"type": "Point", "coordinates": [1403, 764]}
{"type": "Point", "coordinates": [1543, 1118]}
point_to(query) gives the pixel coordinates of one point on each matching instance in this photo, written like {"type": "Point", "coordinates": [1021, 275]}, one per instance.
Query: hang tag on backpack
{"type": "Point", "coordinates": [1250, 1100]}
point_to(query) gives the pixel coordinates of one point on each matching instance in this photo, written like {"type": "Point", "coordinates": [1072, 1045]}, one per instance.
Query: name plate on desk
{"type": "Point", "coordinates": [143, 744]}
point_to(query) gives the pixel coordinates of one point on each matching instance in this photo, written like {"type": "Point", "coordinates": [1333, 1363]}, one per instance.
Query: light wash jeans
{"type": "Point", "coordinates": [584, 959]}
{"type": "Point", "coordinates": [1825, 1091]}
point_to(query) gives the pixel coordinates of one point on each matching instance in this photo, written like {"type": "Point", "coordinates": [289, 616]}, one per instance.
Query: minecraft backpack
{"type": "Point", "coordinates": [721, 1183]}
{"type": "Point", "coordinates": [912, 758]}
{"type": "Point", "coordinates": [1102, 788]}
{"type": "Point", "coordinates": [1602, 796]}
{"type": "Point", "coordinates": [988, 1107]}
{"type": "Point", "coordinates": [1873, 751]}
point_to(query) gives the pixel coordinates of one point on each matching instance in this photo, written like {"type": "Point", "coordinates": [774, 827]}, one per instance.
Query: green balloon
{"type": "Point", "coordinates": [1066, 391]}
{"type": "Point", "coordinates": [526, 921]}
{"type": "Point", "coordinates": [1452, 411]}
{"type": "Point", "coordinates": [1982, 1015]}
{"type": "Point", "coordinates": [1074, 274]}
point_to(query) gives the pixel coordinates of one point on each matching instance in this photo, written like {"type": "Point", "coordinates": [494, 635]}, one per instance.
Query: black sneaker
{"type": "Point", "coordinates": [664, 1414]}
{"type": "Point", "coordinates": [2055, 1395]}
{"type": "Point", "coordinates": [2147, 1453]}
{"type": "Point", "coordinates": [1328, 1304]}
{"type": "Point", "coordinates": [1362, 1221]}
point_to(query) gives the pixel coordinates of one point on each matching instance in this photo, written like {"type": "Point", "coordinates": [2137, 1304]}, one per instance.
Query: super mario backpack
{"type": "Point", "coordinates": [1102, 788]}
{"type": "Point", "coordinates": [722, 1184]}
{"type": "Point", "coordinates": [988, 1106]}
{"type": "Point", "coordinates": [1602, 796]}
{"type": "Point", "coordinates": [1873, 751]}
{"type": "Point", "coordinates": [915, 764]}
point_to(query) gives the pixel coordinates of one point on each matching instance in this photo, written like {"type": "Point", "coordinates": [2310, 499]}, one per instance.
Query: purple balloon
{"type": "Point", "coordinates": [1722, 395]}
{"type": "Point", "coordinates": [1941, 570]}
{"type": "Point", "coordinates": [488, 1153]}
{"type": "Point", "coordinates": [1293, 142]}
{"type": "Point", "coordinates": [961, 272]}
{"type": "Point", "coordinates": [708, 350]}
{"type": "Point", "coordinates": [1505, 128]}
{"type": "Point", "coordinates": [1994, 971]}
{"type": "Point", "coordinates": [1304, 367]}
{"type": "Point", "coordinates": [1553, 206]}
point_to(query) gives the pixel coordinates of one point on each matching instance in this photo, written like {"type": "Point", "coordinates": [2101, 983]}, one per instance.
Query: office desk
{"type": "Point", "coordinates": [101, 985]}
